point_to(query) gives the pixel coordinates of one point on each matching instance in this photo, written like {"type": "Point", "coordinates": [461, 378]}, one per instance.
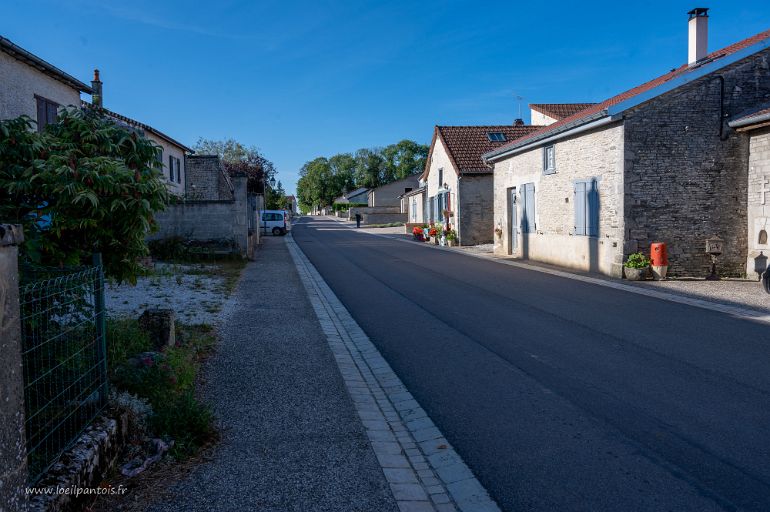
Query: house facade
{"type": "Point", "coordinates": [459, 184]}
{"type": "Point", "coordinates": [756, 127]}
{"type": "Point", "coordinates": [33, 87]}
{"type": "Point", "coordinates": [390, 193]}
{"type": "Point", "coordinates": [657, 163]}
{"type": "Point", "coordinates": [413, 205]}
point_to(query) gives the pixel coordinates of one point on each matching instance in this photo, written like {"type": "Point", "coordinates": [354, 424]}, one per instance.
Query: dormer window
{"type": "Point", "coordinates": [549, 160]}
{"type": "Point", "coordinates": [496, 137]}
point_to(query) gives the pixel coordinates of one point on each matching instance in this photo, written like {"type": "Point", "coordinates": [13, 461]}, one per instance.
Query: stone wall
{"type": "Point", "coordinates": [476, 209]}
{"type": "Point", "coordinates": [20, 84]}
{"type": "Point", "coordinates": [685, 183]}
{"type": "Point", "coordinates": [13, 450]}
{"type": "Point", "coordinates": [207, 179]}
{"type": "Point", "coordinates": [758, 202]}
{"type": "Point", "coordinates": [211, 220]}
{"type": "Point", "coordinates": [595, 154]}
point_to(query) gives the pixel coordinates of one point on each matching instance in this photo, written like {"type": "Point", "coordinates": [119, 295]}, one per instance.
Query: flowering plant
{"type": "Point", "coordinates": [417, 230]}
{"type": "Point", "coordinates": [433, 232]}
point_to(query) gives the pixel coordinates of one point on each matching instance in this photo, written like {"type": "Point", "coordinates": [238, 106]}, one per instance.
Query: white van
{"type": "Point", "coordinates": [274, 221]}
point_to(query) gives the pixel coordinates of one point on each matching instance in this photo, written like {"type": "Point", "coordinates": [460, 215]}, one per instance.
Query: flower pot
{"type": "Point", "coordinates": [636, 274]}
{"type": "Point", "coordinates": [450, 243]}
{"type": "Point", "coordinates": [659, 272]}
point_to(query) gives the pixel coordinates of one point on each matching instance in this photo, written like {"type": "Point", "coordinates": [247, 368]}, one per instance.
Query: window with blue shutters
{"type": "Point", "coordinates": [528, 208]}
{"type": "Point", "coordinates": [586, 201]}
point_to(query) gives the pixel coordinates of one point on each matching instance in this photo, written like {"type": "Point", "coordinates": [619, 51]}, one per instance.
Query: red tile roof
{"type": "Point", "coordinates": [591, 112]}
{"type": "Point", "coordinates": [467, 144]}
{"type": "Point", "coordinates": [559, 111]}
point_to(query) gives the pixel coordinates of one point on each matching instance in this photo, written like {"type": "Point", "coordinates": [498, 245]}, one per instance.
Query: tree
{"type": "Point", "coordinates": [238, 158]}
{"type": "Point", "coordinates": [403, 159]}
{"type": "Point", "coordinates": [370, 168]}
{"type": "Point", "coordinates": [84, 185]}
{"type": "Point", "coordinates": [343, 167]}
{"type": "Point", "coordinates": [276, 198]}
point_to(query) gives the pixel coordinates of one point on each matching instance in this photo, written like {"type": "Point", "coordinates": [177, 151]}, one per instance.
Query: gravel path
{"type": "Point", "coordinates": [291, 437]}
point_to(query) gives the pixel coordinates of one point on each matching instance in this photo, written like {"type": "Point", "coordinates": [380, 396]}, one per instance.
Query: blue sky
{"type": "Point", "coordinates": [308, 78]}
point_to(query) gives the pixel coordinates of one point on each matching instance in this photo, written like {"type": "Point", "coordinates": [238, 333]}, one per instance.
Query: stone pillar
{"type": "Point", "coordinates": [13, 450]}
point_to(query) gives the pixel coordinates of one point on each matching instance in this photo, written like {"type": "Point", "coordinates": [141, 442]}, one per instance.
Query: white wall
{"type": "Point", "coordinates": [440, 159]}
{"type": "Point", "coordinates": [540, 119]}
{"type": "Point", "coordinates": [170, 149]}
{"type": "Point", "coordinates": [595, 154]}
{"type": "Point", "coordinates": [19, 83]}
{"type": "Point", "coordinates": [758, 201]}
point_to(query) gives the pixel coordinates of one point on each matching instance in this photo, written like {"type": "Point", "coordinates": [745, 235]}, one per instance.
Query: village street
{"type": "Point", "coordinates": [560, 394]}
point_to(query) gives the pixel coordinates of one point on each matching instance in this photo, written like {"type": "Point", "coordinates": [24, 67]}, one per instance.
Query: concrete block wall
{"type": "Point", "coordinates": [13, 449]}
{"type": "Point", "coordinates": [683, 183]}
{"type": "Point", "coordinates": [476, 209]}
{"type": "Point", "coordinates": [208, 220]}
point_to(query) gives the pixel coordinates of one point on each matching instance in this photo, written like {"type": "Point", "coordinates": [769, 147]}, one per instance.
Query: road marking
{"type": "Point", "coordinates": [735, 311]}
{"type": "Point", "coordinates": [423, 470]}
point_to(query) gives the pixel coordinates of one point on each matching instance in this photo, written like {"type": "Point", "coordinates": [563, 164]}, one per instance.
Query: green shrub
{"type": "Point", "coordinates": [124, 339]}
{"type": "Point", "coordinates": [637, 260]}
{"type": "Point", "coordinates": [186, 420]}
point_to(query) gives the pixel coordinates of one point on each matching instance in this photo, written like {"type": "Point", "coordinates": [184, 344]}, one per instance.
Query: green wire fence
{"type": "Point", "coordinates": [64, 358]}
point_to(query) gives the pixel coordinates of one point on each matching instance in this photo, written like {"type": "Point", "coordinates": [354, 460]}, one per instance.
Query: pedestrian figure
{"type": "Point", "coordinates": [358, 220]}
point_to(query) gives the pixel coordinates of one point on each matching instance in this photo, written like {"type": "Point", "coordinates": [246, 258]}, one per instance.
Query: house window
{"type": "Point", "coordinates": [159, 157]}
{"type": "Point", "coordinates": [414, 209]}
{"type": "Point", "coordinates": [171, 168]}
{"type": "Point", "coordinates": [587, 207]}
{"type": "Point", "coordinates": [549, 160]}
{"type": "Point", "coordinates": [440, 178]}
{"type": "Point", "coordinates": [47, 112]}
{"type": "Point", "coordinates": [178, 166]}
{"type": "Point", "coordinates": [528, 208]}
{"type": "Point", "coordinates": [496, 137]}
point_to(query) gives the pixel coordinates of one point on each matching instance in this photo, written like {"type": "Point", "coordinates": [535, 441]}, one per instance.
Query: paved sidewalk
{"type": "Point", "coordinates": [291, 437]}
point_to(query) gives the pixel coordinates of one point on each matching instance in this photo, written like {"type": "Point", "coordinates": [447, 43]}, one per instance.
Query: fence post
{"type": "Point", "coordinates": [13, 449]}
{"type": "Point", "coordinates": [101, 325]}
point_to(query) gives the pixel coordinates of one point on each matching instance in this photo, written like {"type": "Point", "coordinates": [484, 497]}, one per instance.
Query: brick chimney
{"type": "Point", "coordinates": [698, 35]}
{"type": "Point", "coordinates": [96, 85]}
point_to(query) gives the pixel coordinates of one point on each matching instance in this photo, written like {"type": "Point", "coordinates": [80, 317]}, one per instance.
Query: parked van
{"type": "Point", "coordinates": [275, 222]}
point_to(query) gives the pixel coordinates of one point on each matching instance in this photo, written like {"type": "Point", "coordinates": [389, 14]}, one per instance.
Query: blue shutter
{"type": "Point", "coordinates": [592, 209]}
{"type": "Point", "coordinates": [529, 208]}
{"type": "Point", "coordinates": [580, 208]}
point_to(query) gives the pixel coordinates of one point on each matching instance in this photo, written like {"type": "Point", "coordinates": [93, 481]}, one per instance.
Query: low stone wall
{"type": "Point", "coordinates": [378, 214]}
{"type": "Point", "coordinates": [83, 466]}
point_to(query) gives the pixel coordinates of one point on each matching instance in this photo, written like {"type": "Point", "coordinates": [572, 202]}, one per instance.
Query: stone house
{"type": "Point", "coordinates": [173, 153]}
{"type": "Point", "coordinates": [357, 196]}
{"type": "Point", "coordinates": [658, 162]}
{"type": "Point", "coordinates": [33, 87]}
{"type": "Point", "coordinates": [389, 194]}
{"type": "Point", "coordinates": [458, 183]}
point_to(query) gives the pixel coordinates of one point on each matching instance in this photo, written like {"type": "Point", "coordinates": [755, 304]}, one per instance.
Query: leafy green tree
{"type": "Point", "coordinates": [403, 159]}
{"type": "Point", "coordinates": [84, 185]}
{"type": "Point", "coordinates": [276, 197]}
{"type": "Point", "coordinates": [370, 168]}
{"type": "Point", "coordinates": [343, 167]}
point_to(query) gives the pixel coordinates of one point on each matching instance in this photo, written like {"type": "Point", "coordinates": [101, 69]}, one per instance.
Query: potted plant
{"type": "Point", "coordinates": [451, 237]}
{"type": "Point", "coordinates": [417, 233]}
{"type": "Point", "coordinates": [433, 232]}
{"type": "Point", "coordinates": [637, 266]}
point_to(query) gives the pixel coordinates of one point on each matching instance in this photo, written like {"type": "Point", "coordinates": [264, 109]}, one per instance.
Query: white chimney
{"type": "Point", "coordinates": [698, 32]}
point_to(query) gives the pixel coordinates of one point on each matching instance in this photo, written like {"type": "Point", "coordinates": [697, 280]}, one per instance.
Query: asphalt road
{"type": "Point", "coordinates": [563, 395]}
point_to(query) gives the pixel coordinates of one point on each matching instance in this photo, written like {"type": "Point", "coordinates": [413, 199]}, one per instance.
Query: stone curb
{"type": "Point", "coordinates": [736, 311]}
{"type": "Point", "coordinates": [423, 470]}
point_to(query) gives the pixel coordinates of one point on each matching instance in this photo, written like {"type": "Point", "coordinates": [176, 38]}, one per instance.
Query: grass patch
{"type": "Point", "coordinates": [166, 379]}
